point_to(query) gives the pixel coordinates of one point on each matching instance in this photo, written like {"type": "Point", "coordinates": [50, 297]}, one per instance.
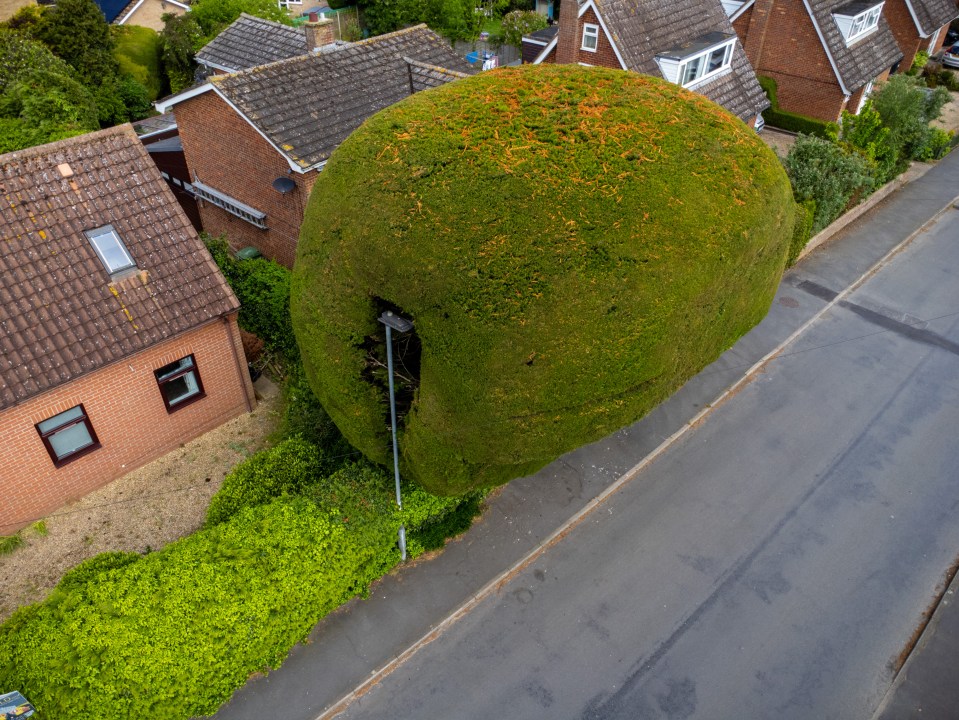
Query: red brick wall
{"type": "Point", "coordinates": [904, 30]}
{"type": "Point", "coordinates": [225, 152]}
{"type": "Point", "coordinates": [940, 41]}
{"type": "Point", "coordinates": [604, 55]}
{"type": "Point", "coordinates": [741, 25]}
{"type": "Point", "coordinates": [782, 43]}
{"type": "Point", "coordinates": [127, 412]}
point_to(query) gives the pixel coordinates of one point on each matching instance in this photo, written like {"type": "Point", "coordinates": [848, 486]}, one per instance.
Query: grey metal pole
{"type": "Point", "coordinates": [396, 454]}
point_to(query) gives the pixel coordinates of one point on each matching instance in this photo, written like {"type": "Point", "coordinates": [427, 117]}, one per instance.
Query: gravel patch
{"type": "Point", "coordinates": [143, 510]}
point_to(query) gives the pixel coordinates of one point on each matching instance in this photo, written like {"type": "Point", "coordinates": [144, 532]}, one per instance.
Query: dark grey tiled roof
{"type": "Point", "coordinates": [544, 35]}
{"type": "Point", "coordinates": [250, 41]}
{"type": "Point", "coordinates": [864, 59]}
{"type": "Point", "coordinates": [61, 315]}
{"type": "Point", "coordinates": [308, 105]}
{"type": "Point", "coordinates": [933, 14]}
{"type": "Point", "coordinates": [425, 76]}
{"type": "Point", "coordinates": [643, 28]}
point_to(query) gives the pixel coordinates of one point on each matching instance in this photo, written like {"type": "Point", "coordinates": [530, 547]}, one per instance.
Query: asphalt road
{"type": "Point", "coordinates": [773, 564]}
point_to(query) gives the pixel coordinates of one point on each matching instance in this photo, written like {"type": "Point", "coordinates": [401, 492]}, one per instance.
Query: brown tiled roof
{"type": "Point", "coordinates": [642, 29]}
{"type": "Point", "coordinates": [250, 41]}
{"type": "Point", "coordinates": [61, 314]}
{"type": "Point", "coordinates": [932, 14]}
{"type": "Point", "coordinates": [866, 58]}
{"type": "Point", "coordinates": [308, 105]}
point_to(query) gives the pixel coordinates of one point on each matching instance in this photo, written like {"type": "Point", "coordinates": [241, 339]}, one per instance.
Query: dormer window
{"type": "Point", "coordinates": [698, 60]}
{"type": "Point", "coordinates": [857, 19]}
{"type": "Point", "coordinates": [110, 249]}
{"type": "Point", "coordinates": [590, 37]}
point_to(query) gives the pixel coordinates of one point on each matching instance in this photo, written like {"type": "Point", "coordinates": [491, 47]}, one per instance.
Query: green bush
{"type": "Point", "coordinates": [907, 107]}
{"type": "Point", "coordinates": [802, 230]}
{"type": "Point", "coordinates": [521, 22]}
{"type": "Point", "coordinates": [304, 416]}
{"type": "Point", "coordinates": [569, 253]}
{"type": "Point", "coordinates": [936, 144]}
{"type": "Point", "coordinates": [263, 288]}
{"type": "Point", "coordinates": [793, 122]}
{"type": "Point", "coordinates": [284, 469]}
{"type": "Point", "coordinates": [919, 62]}
{"type": "Point", "coordinates": [867, 135]}
{"type": "Point", "coordinates": [171, 635]}
{"type": "Point", "coordinates": [92, 568]}
{"type": "Point", "coordinates": [827, 174]}
{"type": "Point", "coordinates": [138, 51]}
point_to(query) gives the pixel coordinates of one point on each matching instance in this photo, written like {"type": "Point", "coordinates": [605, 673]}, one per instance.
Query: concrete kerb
{"type": "Point", "coordinates": [504, 577]}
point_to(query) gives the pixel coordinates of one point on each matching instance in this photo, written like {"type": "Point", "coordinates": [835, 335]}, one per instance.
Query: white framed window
{"type": "Point", "coordinates": [110, 249]}
{"type": "Point", "coordinates": [854, 27]}
{"type": "Point", "coordinates": [703, 66]}
{"type": "Point", "coordinates": [590, 37]}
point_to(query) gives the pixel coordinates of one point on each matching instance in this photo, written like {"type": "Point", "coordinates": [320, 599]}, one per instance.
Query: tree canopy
{"type": "Point", "coordinates": [571, 243]}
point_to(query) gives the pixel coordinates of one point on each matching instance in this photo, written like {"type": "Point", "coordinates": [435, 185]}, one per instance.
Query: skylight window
{"type": "Point", "coordinates": [858, 19]}
{"type": "Point", "coordinates": [110, 249]}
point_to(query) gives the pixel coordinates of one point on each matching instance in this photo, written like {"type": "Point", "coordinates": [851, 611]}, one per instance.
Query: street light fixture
{"type": "Point", "coordinates": [400, 324]}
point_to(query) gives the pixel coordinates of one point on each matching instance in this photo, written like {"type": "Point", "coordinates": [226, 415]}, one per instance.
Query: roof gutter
{"type": "Point", "coordinates": [825, 47]}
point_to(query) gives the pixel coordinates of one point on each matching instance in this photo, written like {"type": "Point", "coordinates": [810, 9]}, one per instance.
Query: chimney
{"type": "Point", "coordinates": [319, 32]}
{"type": "Point", "coordinates": [568, 40]}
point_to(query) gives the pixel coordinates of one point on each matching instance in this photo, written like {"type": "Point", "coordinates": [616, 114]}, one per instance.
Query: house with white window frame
{"type": "Point", "coordinates": [825, 55]}
{"type": "Point", "coordinates": [687, 42]}
{"type": "Point", "coordinates": [118, 333]}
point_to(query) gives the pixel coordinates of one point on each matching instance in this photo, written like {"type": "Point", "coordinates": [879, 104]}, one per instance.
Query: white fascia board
{"type": "Point", "coordinates": [179, 4]}
{"type": "Point", "coordinates": [546, 50]}
{"type": "Point", "coordinates": [912, 12]}
{"type": "Point", "coordinates": [602, 23]}
{"type": "Point", "coordinates": [217, 66]}
{"type": "Point", "coordinates": [130, 14]}
{"type": "Point", "coordinates": [534, 41]}
{"type": "Point", "coordinates": [825, 47]}
{"type": "Point", "coordinates": [164, 106]}
{"type": "Point", "coordinates": [158, 132]}
{"type": "Point", "coordinates": [744, 8]}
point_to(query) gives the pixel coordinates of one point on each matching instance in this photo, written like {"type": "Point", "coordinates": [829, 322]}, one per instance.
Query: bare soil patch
{"type": "Point", "coordinates": [144, 510]}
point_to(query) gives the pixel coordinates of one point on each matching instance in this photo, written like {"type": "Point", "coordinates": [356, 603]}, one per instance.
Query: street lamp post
{"type": "Point", "coordinates": [400, 324]}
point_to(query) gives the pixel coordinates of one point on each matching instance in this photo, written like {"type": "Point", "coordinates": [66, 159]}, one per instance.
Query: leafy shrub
{"type": "Point", "coordinates": [936, 144]}
{"type": "Point", "coordinates": [802, 230]}
{"type": "Point", "coordinates": [906, 108]}
{"type": "Point", "coordinates": [606, 272]}
{"type": "Point", "coordinates": [793, 122]}
{"type": "Point", "coordinates": [171, 635]}
{"type": "Point", "coordinates": [827, 174]}
{"type": "Point", "coordinates": [263, 288]}
{"type": "Point", "coordinates": [867, 135]}
{"type": "Point", "coordinates": [286, 468]}
{"type": "Point", "coordinates": [138, 51]}
{"type": "Point", "coordinates": [919, 62]}
{"type": "Point", "coordinates": [179, 39]}
{"type": "Point", "coordinates": [432, 534]}
{"type": "Point", "coordinates": [93, 568]}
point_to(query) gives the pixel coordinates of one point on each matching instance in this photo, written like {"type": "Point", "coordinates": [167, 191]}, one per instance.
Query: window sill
{"type": "Point", "coordinates": [76, 456]}
{"type": "Point", "coordinates": [183, 403]}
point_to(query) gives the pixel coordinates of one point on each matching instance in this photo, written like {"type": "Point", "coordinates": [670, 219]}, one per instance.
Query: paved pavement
{"type": "Point", "coordinates": [359, 640]}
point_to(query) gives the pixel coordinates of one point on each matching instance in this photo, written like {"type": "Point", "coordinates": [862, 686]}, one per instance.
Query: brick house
{"type": "Point", "coordinates": [118, 334]}
{"type": "Point", "coordinates": [160, 137]}
{"type": "Point", "coordinates": [825, 55]}
{"type": "Point", "coordinates": [919, 25]}
{"type": "Point", "coordinates": [688, 42]}
{"type": "Point", "coordinates": [255, 140]}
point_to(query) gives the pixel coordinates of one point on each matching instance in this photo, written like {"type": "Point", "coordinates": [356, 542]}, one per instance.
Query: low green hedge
{"type": "Point", "coordinates": [263, 288]}
{"type": "Point", "coordinates": [793, 122]}
{"type": "Point", "coordinates": [173, 633]}
{"type": "Point", "coordinates": [802, 230]}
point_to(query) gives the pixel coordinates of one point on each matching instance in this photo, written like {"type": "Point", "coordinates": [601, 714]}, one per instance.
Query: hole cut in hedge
{"type": "Point", "coordinates": [407, 357]}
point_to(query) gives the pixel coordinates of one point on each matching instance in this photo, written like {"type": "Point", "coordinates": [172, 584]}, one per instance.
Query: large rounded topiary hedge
{"type": "Point", "coordinates": [572, 244]}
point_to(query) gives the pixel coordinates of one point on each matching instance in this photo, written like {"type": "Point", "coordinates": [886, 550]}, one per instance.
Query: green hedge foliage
{"type": "Point", "coordinates": [171, 634]}
{"type": "Point", "coordinates": [263, 288]}
{"type": "Point", "coordinates": [793, 122]}
{"type": "Point", "coordinates": [572, 244]}
{"type": "Point", "coordinates": [802, 230]}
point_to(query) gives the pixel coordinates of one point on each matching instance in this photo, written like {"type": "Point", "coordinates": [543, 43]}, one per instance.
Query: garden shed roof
{"type": "Point", "coordinates": [862, 61]}
{"type": "Point", "coordinates": [306, 106]}
{"type": "Point", "coordinates": [62, 314]}
{"type": "Point", "coordinates": [930, 15]}
{"type": "Point", "coordinates": [250, 41]}
{"type": "Point", "coordinates": [642, 29]}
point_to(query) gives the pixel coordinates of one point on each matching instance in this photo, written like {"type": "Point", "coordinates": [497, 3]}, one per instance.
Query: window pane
{"type": "Point", "coordinates": [716, 58]}
{"type": "Point", "coordinates": [174, 367]}
{"type": "Point", "coordinates": [68, 441]}
{"type": "Point", "coordinates": [181, 388]}
{"type": "Point", "coordinates": [112, 251]}
{"type": "Point", "coordinates": [691, 70]}
{"type": "Point", "coordinates": [61, 419]}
